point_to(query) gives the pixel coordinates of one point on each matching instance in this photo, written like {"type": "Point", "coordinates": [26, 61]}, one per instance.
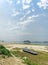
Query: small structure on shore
{"type": "Point", "coordinates": [29, 51]}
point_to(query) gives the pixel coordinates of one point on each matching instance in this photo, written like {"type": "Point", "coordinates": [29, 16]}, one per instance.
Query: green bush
{"type": "Point", "coordinates": [4, 51]}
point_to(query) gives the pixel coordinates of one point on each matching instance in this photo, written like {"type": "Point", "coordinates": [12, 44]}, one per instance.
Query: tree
{"type": "Point", "coordinates": [27, 41]}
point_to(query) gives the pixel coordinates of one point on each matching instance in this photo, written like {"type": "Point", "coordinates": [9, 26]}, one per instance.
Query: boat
{"type": "Point", "coordinates": [29, 51]}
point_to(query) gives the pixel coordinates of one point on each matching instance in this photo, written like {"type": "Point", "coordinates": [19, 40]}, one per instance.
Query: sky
{"type": "Point", "coordinates": [24, 20]}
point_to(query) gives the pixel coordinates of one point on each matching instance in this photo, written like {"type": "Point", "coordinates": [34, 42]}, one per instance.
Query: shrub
{"type": "Point", "coordinates": [4, 51]}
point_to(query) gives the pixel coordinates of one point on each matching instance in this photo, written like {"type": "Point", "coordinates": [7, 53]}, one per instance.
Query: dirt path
{"type": "Point", "coordinates": [11, 61]}
{"type": "Point", "coordinates": [18, 61]}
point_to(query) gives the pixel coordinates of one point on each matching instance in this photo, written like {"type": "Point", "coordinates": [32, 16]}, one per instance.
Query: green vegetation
{"type": "Point", "coordinates": [29, 59]}
{"type": "Point", "coordinates": [27, 42]}
{"type": "Point", "coordinates": [28, 62]}
{"type": "Point", "coordinates": [4, 52]}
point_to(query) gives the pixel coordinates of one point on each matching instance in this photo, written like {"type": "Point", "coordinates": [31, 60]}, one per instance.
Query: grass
{"type": "Point", "coordinates": [40, 59]}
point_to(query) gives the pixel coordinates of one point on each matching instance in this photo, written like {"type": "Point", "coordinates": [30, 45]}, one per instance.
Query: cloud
{"type": "Point", "coordinates": [28, 20]}
{"type": "Point", "coordinates": [35, 16]}
{"type": "Point", "coordinates": [33, 10]}
{"type": "Point", "coordinates": [26, 3]}
{"type": "Point", "coordinates": [22, 24]}
{"type": "Point", "coordinates": [22, 18]}
{"type": "Point", "coordinates": [24, 15]}
{"type": "Point", "coordinates": [25, 6]}
{"type": "Point", "coordinates": [24, 33]}
{"type": "Point", "coordinates": [27, 17]}
{"type": "Point", "coordinates": [1, 1]}
{"type": "Point", "coordinates": [18, 2]}
{"type": "Point", "coordinates": [43, 3]}
{"type": "Point", "coordinates": [17, 26]}
{"type": "Point", "coordinates": [9, 1]}
{"type": "Point", "coordinates": [28, 12]}
{"type": "Point", "coordinates": [18, 29]}
{"type": "Point", "coordinates": [14, 12]}
{"type": "Point", "coordinates": [11, 26]}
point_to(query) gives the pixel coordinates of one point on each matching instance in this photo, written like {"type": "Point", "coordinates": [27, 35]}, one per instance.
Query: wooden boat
{"type": "Point", "coordinates": [29, 51]}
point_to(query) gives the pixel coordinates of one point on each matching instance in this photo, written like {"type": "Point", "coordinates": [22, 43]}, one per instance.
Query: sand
{"type": "Point", "coordinates": [34, 47]}
{"type": "Point", "coordinates": [11, 61]}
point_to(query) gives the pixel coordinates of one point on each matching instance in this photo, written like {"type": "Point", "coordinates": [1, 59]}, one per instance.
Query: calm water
{"type": "Point", "coordinates": [40, 43]}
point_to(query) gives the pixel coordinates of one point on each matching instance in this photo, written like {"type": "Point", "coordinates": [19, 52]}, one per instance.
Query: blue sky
{"type": "Point", "coordinates": [24, 20]}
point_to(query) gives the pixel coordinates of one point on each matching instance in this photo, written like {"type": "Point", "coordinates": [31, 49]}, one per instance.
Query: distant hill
{"type": "Point", "coordinates": [27, 42]}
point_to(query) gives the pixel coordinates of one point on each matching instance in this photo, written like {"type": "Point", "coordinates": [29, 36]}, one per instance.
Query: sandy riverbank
{"type": "Point", "coordinates": [34, 47]}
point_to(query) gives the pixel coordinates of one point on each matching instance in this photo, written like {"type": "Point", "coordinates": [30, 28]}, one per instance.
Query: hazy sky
{"type": "Point", "coordinates": [24, 20]}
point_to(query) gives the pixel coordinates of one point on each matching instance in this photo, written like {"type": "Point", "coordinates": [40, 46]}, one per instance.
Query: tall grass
{"type": "Point", "coordinates": [40, 59]}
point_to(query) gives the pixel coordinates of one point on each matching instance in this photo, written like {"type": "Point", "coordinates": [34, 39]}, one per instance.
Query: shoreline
{"type": "Point", "coordinates": [34, 47]}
